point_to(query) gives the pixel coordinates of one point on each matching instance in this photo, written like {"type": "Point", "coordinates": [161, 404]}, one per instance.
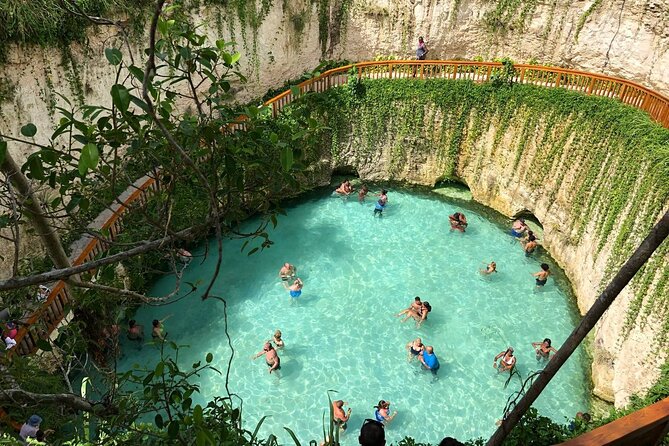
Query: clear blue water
{"type": "Point", "coordinates": [342, 334]}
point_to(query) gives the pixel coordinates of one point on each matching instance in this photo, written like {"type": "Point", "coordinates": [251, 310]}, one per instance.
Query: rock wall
{"type": "Point", "coordinates": [623, 37]}
{"type": "Point", "coordinates": [517, 159]}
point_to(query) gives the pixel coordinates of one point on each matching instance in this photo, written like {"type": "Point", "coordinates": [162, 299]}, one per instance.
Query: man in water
{"type": "Point", "coordinates": [135, 331]}
{"type": "Point", "coordinates": [271, 357]}
{"type": "Point", "coordinates": [429, 360]}
{"type": "Point", "coordinates": [542, 276]}
{"type": "Point", "coordinates": [339, 416]}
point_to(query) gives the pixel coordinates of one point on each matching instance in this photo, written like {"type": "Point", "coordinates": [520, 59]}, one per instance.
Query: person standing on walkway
{"type": "Point", "coordinates": [421, 51]}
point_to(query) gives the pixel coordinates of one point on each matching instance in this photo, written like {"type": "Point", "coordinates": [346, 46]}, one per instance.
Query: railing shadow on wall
{"type": "Point", "coordinates": [42, 323]}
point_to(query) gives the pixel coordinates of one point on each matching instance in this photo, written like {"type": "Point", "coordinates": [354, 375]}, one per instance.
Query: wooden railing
{"type": "Point", "coordinates": [41, 323]}
{"type": "Point", "coordinates": [51, 313]}
{"type": "Point", "coordinates": [646, 427]}
{"type": "Point", "coordinates": [630, 93]}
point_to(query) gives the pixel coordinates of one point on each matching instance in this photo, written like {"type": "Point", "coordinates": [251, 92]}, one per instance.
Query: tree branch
{"type": "Point", "coordinates": [56, 274]}
{"type": "Point", "coordinates": [24, 398]}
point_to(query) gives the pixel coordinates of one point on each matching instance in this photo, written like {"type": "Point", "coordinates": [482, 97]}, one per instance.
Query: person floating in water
{"type": "Point", "coordinates": [507, 360]}
{"type": "Point", "coordinates": [287, 271]}
{"type": "Point", "coordinates": [382, 412]}
{"type": "Point", "coordinates": [543, 349]}
{"type": "Point", "coordinates": [519, 228]}
{"type": "Point", "coordinates": [458, 221]}
{"type": "Point", "coordinates": [295, 290]}
{"type": "Point", "coordinates": [429, 360]}
{"type": "Point", "coordinates": [271, 357]}
{"type": "Point", "coordinates": [362, 193]}
{"type": "Point", "coordinates": [339, 417]}
{"type": "Point", "coordinates": [542, 276]}
{"type": "Point", "coordinates": [345, 188]}
{"type": "Point", "coordinates": [415, 306]}
{"type": "Point", "coordinates": [529, 243]}
{"type": "Point", "coordinates": [415, 348]}
{"type": "Point", "coordinates": [278, 342]}
{"type": "Point", "coordinates": [421, 315]}
{"type": "Point", "coordinates": [491, 268]}
{"type": "Point", "coordinates": [135, 331]}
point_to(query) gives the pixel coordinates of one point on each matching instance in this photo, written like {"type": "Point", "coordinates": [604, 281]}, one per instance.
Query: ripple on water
{"type": "Point", "coordinates": [342, 334]}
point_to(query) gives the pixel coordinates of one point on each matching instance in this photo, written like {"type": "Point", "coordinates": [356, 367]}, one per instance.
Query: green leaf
{"type": "Point", "coordinates": [293, 436]}
{"type": "Point", "coordinates": [29, 130]}
{"type": "Point", "coordinates": [198, 417]}
{"type": "Point", "coordinates": [200, 439]}
{"type": "Point", "coordinates": [255, 431]}
{"type": "Point", "coordinates": [210, 358]}
{"type": "Point", "coordinates": [159, 368]}
{"type": "Point", "coordinates": [113, 55]}
{"type": "Point", "coordinates": [91, 155]}
{"type": "Point", "coordinates": [44, 345]}
{"type": "Point", "coordinates": [35, 166]}
{"type": "Point", "coordinates": [121, 97]}
{"type": "Point", "coordinates": [236, 57]}
{"type": "Point", "coordinates": [287, 158]}
{"type": "Point", "coordinates": [159, 421]}
{"type": "Point", "coordinates": [173, 429]}
{"type": "Point", "coordinates": [3, 151]}
{"type": "Point", "coordinates": [295, 90]}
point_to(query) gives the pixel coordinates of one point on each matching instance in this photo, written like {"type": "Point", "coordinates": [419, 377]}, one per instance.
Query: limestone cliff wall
{"type": "Point", "coordinates": [517, 155]}
{"type": "Point", "coordinates": [626, 38]}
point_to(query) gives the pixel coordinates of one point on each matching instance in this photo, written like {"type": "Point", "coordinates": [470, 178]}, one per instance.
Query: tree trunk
{"type": "Point", "coordinates": [657, 235]}
{"type": "Point", "coordinates": [32, 209]}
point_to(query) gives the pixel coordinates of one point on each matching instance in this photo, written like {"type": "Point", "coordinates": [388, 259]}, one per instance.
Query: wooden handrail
{"type": "Point", "coordinates": [628, 92]}
{"type": "Point", "coordinates": [647, 427]}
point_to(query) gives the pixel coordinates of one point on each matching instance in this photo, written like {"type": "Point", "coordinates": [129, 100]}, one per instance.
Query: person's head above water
{"type": "Point", "coordinates": [339, 403]}
{"type": "Point", "coordinates": [429, 349]}
{"type": "Point", "coordinates": [384, 192]}
{"type": "Point", "coordinates": [427, 305]}
{"type": "Point", "coordinates": [544, 266]}
{"type": "Point", "coordinates": [509, 350]}
{"type": "Point", "coordinates": [547, 341]}
{"type": "Point", "coordinates": [277, 334]}
{"type": "Point", "coordinates": [156, 323]}
{"type": "Point", "coordinates": [372, 433]}
{"type": "Point", "coordinates": [417, 299]}
{"type": "Point", "coordinates": [132, 323]}
{"type": "Point", "coordinates": [267, 347]}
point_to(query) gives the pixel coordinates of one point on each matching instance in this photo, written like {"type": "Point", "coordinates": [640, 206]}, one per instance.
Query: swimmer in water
{"type": "Point", "coordinates": [421, 315]}
{"type": "Point", "coordinates": [345, 188]}
{"type": "Point", "coordinates": [295, 290]}
{"type": "Point", "coordinates": [491, 268]}
{"type": "Point", "coordinates": [287, 271]}
{"type": "Point", "coordinates": [381, 204]}
{"type": "Point", "coordinates": [278, 342]}
{"type": "Point", "coordinates": [415, 306]}
{"type": "Point", "coordinates": [415, 348]}
{"type": "Point", "coordinates": [519, 228]}
{"type": "Point", "coordinates": [363, 193]}
{"type": "Point", "coordinates": [382, 412]}
{"type": "Point", "coordinates": [543, 349]}
{"type": "Point", "coordinates": [429, 360]}
{"type": "Point", "coordinates": [458, 221]}
{"type": "Point", "coordinates": [507, 360]}
{"type": "Point", "coordinates": [542, 276]}
{"type": "Point", "coordinates": [271, 357]}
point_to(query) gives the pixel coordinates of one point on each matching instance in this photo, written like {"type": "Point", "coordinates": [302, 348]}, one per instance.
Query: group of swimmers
{"type": "Point", "coordinates": [346, 188]}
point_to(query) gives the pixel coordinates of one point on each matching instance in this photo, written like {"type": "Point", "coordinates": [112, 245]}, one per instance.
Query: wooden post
{"type": "Point", "coordinates": [640, 256]}
{"type": "Point", "coordinates": [390, 70]}
{"type": "Point", "coordinates": [591, 86]}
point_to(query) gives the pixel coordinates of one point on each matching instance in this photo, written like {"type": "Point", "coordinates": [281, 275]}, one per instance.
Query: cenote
{"type": "Point", "coordinates": [342, 333]}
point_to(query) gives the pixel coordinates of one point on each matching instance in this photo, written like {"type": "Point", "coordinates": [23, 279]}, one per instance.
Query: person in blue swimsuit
{"type": "Point", "coordinates": [519, 228]}
{"type": "Point", "coordinates": [382, 412]}
{"type": "Point", "coordinates": [295, 290]}
{"type": "Point", "coordinates": [381, 204]}
{"type": "Point", "coordinates": [429, 360]}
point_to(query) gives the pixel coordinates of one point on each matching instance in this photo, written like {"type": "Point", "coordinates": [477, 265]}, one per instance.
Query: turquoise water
{"type": "Point", "coordinates": [342, 334]}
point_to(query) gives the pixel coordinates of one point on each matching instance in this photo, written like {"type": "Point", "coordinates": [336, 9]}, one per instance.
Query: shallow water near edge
{"type": "Point", "coordinates": [342, 333]}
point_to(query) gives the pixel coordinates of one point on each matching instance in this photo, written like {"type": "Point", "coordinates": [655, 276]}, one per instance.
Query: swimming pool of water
{"type": "Point", "coordinates": [342, 333]}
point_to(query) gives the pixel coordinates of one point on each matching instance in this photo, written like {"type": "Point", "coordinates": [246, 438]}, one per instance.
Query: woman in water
{"type": "Point", "coordinates": [518, 228]}
{"type": "Point", "coordinates": [345, 188]}
{"type": "Point", "coordinates": [414, 348]}
{"type": "Point", "coordinates": [491, 268]}
{"type": "Point", "coordinates": [277, 339]}
{"type": "Point", "coordinates": [458, 221]}
{"type": "Point", "coordinates": [421, 315]}
{"type": "Point", "coordinates": [543, 349]}
{"type": "Point", "coordinates": [507, 362]}
{"type": "Point", "coordinates": [381, 204]}
{"type": "Point", "coordinates": [295, 290]}
{"type": "Point", "coordinates": [382, 412]}
{"type": "Point", "coordinates": [529, 243]}
{"type": "Point", "coordinates": [415, 306]}
{"type": "Point", "coordinates": [542, 276]}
